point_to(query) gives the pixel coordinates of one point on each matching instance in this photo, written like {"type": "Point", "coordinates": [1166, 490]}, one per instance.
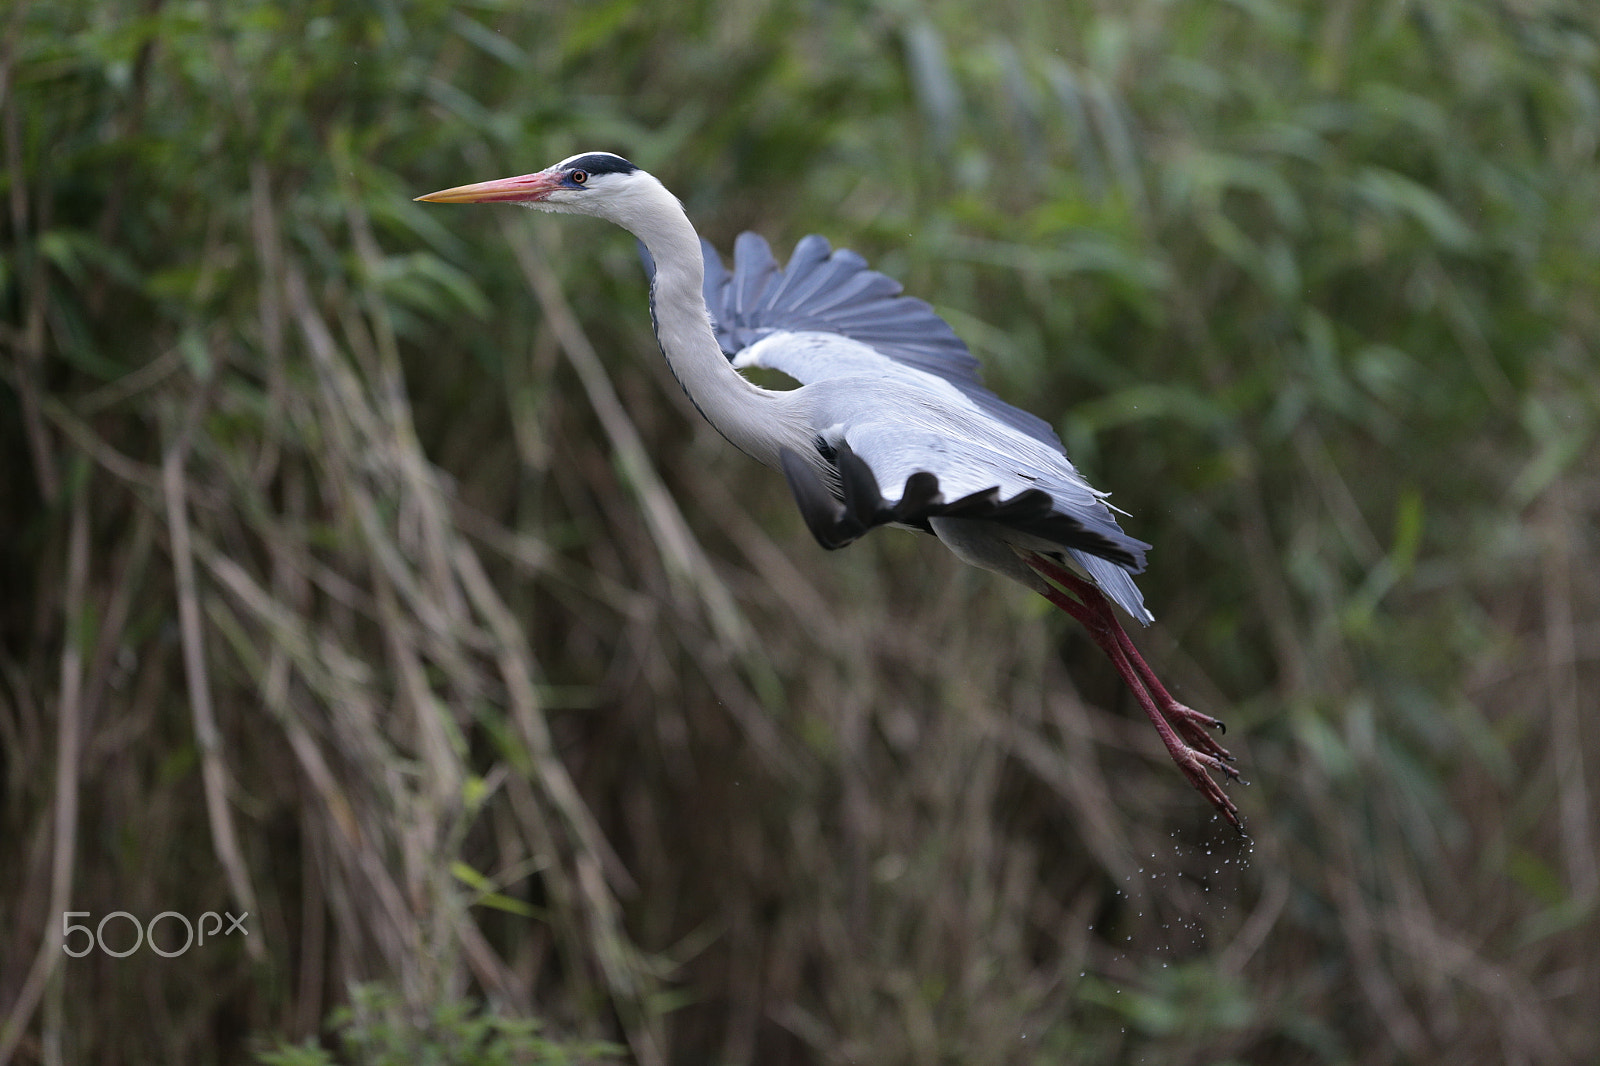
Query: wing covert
{"type": "Point", "coordinates": [823, 290]}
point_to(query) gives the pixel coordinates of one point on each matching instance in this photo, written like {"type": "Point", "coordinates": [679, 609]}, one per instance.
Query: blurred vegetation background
{"type": "Point", "coordinates": [365, 570]}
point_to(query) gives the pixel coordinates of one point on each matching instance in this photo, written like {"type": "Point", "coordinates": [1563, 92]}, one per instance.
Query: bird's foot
{"type": "Point", "coordinates": [1197, 753]}
{"type": "Point", "coordinates": [1190, 737]}
{"type": "Point", "coordinates": [1195, 765]}
{"type": "Point", "coordinates": [1196, 730]}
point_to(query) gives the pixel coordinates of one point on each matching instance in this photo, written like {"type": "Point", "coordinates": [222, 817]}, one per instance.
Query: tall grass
{"type": "Point", "coordinates": [367, 571]}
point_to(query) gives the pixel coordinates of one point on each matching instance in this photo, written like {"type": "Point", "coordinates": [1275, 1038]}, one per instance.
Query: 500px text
{"type": "Point", "coordinates": [142, 933]}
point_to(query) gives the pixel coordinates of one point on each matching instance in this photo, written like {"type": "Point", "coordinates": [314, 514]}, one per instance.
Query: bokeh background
{"type": "Point", "coordinates": [365, 570]}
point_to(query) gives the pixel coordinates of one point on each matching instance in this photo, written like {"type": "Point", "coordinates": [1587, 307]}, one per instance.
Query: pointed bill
{"type": "Point", "coordinates": [524, 188]}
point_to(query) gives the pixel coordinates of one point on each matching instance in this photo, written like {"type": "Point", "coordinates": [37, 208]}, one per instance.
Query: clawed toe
{"type": "Point", "coordinates": [1197, 754]}
{"type": "Point", "coordinates": [1196, 766]}
{"type": "Point", "coordinates": [1194, 728]}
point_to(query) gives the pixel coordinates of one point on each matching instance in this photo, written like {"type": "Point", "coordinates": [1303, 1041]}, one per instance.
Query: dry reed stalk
{"type": "Point", "coordinates": [1561, 659]}
{"type": "Point", "coordinates": [208, 738]}
{"type": "Point", "coordinates": [683, 558]}
{"type": "Point", "coordinates": [69, 744]}
{"type": "Point", "coordinates": [680, 552]}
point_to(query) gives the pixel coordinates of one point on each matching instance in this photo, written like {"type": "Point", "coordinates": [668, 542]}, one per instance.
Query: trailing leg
{"type": "Point", "coordinates": [1183, 730]}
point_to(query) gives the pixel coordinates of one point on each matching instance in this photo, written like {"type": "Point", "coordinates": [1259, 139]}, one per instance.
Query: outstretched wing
{"type": "Point", "coordinates": [823, 290]}
{"type": "Point", "coordinates": [915, 412]}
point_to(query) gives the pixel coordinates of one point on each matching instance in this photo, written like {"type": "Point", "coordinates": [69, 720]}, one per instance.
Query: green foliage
{"type": "Point", "coordinates": [373, 536]}
{"type": "Point", "coordinates": [373, 1031]}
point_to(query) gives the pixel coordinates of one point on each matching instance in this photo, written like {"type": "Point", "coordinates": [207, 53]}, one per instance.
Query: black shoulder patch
{"type": "Point", "coordinates": [600, 163]}
{"type": "Point", "coordinates": [841, 513]}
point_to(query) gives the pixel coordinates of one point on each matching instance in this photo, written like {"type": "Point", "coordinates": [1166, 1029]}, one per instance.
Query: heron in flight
{"type": "Point", "coordinates": [890, 424]}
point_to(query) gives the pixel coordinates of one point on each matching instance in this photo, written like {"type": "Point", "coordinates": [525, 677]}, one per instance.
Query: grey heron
{"type": "Point", "coordinates": [888, 398]}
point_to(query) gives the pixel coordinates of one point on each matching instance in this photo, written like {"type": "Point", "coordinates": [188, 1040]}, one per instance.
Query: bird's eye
{"type": "Point", "coordinates": [579, 177]}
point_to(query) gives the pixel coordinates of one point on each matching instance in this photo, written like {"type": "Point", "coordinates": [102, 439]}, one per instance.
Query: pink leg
{"type": "Point", "coordinates": [1182, 729]}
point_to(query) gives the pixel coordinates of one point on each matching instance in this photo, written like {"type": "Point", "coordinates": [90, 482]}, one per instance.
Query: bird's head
{"type": "Point", "coordinates": [591, 183]}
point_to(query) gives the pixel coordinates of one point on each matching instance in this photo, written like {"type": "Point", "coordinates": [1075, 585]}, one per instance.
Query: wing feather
{"type": "Point", "coordinates": [754, 274]}
{"type": "Point", "coordinates": [827, 290]}
{"type": "Point", "coordinates": [830, 322]}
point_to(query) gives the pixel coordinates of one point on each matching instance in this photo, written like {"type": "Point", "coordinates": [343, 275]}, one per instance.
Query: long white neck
{"type": "Point", "coordinates": [755, 420]}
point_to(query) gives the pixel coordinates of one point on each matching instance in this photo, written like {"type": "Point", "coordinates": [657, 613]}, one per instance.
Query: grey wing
{"type": "Point", "coordinates": [915, 414]}
{"type": "Point", "coordinates": [823, 290]}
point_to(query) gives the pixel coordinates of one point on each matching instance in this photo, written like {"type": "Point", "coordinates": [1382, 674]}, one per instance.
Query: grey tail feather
{"type": "Point", "coordinates": [1116, 583]}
